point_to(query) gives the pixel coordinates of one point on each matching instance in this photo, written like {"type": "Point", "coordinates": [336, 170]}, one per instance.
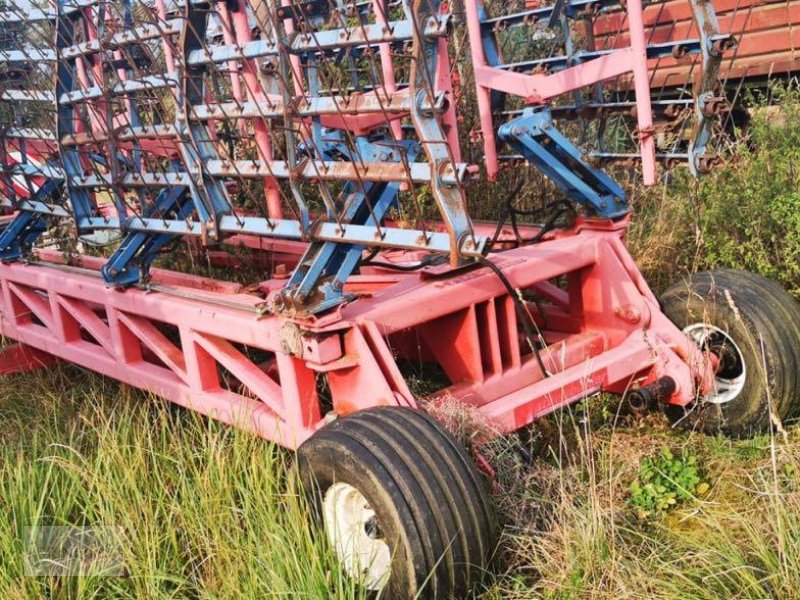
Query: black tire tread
{"type": "Point", "coordinates": [469, 480]}
{"type": "Point", "coordinates": [763, 307]}
{"type": "Point", "coordinates": [465, 466]}
{"type": "Point", "coordinates": [413, 485]}
{"type": "Point", "coordinates": [752, 300]}
{"type": "Point", "coordinates": [427, 471]}
{"type": "Point", "coordinates": [784, 303]}
{"type": "Point", "coordinates": [751, 305]}
{"type": "Point", "coordinates": [448, 519]}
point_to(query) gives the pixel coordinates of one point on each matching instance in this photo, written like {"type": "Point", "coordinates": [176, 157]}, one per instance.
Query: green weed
{"type": "Point", "coordinates": [664, 482]}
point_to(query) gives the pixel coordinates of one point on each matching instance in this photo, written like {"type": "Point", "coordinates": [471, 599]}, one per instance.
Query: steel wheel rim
{"type": "Point", "coordinates": [353, 530]}
{"type": "Point", "coordinates": [731, 376]}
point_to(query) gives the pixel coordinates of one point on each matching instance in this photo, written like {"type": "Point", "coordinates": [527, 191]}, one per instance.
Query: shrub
{"type": "Point", "coordinates": [744, 215]}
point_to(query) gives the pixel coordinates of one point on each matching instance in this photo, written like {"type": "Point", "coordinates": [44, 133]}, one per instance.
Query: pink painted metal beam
{"type": "Point", "coordinates": [128, 343]}
{"type": "Point", "coordinates": [540, 88]}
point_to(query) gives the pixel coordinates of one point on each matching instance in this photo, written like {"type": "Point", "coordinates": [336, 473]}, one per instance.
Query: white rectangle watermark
{"type": "Point", "coordinates": [67, 551]}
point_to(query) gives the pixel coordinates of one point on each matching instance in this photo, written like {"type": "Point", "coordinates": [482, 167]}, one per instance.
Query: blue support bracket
{"type": "Point", "coordinates": [195, 144]}
{"type": "Point", "coordinates": [708, 101]}
{"type": "Point", "coordinates": [68, 27]}
{"type": "Point", "coordinates": [317, 284]}
{"type": "Point", "coordinates": [491, 51]}
{"type": "Point", "coordinates": [534, 136]}
{"type": "Point", "coordinates": [130, 263]}
{"type": "Point", "coordinates": [19, 236]}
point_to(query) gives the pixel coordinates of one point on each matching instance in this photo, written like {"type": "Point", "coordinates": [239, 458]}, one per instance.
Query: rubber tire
{"type": "Point", "coordinates": [764, 321]}
{"type": "Point", "coordinates": [430, 500]}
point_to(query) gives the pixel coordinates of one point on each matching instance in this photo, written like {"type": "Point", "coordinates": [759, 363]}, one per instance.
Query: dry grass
{"type": "Point", "coordinates": [571, 534]}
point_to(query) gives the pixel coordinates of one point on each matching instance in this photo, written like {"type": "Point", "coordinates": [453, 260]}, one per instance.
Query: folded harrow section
{"type": "Point", "coordinates": [31, 176]}
{"type": "Point", "coordinates": [212, 119]}
{"type": "Point", "coordinates": [331, 123]}
{"type": "Point", "coordinates": [593, 61]}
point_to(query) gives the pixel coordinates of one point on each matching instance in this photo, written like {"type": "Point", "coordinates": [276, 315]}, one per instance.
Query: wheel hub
{"type": "Point", "coordinates": [354, 532]}
{"type": "Point", "coordinates": [731, 372]}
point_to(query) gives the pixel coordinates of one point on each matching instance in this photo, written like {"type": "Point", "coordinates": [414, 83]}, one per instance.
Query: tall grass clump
{"type": "Point", "coordinates": [201, 510]}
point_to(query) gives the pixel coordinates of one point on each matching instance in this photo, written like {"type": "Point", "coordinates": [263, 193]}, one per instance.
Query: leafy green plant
{"type": "Point", "coordinates": [665, 481]}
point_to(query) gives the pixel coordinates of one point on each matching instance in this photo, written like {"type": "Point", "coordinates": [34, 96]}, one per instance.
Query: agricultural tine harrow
{"type": "Point", "coordinates": [587, 64]}
{"type": "Point", "coordinates": [163, 113]}
{"type": "Point", "coordinates": [329, 139]}
{"type": "Point", "coordinates": [168, 132]}
{"type": "Point", "coordinates": [328, 135]}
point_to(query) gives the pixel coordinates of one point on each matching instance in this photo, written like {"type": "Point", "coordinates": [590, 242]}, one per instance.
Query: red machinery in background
{"type": "Point", "coordinates": [766, 31]}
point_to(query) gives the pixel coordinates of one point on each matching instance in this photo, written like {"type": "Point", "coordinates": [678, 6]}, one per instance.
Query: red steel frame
{"type": "Point", "coordinates": [604, 331]}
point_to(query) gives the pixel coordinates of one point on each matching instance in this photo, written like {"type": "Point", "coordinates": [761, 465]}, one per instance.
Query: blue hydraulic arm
{"type": "Point", "coordinates": [131, 261]}
{"type": "Point", "coordinates": [19, 236]}
{"type": "Point", "coordinates": [540, 143]}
